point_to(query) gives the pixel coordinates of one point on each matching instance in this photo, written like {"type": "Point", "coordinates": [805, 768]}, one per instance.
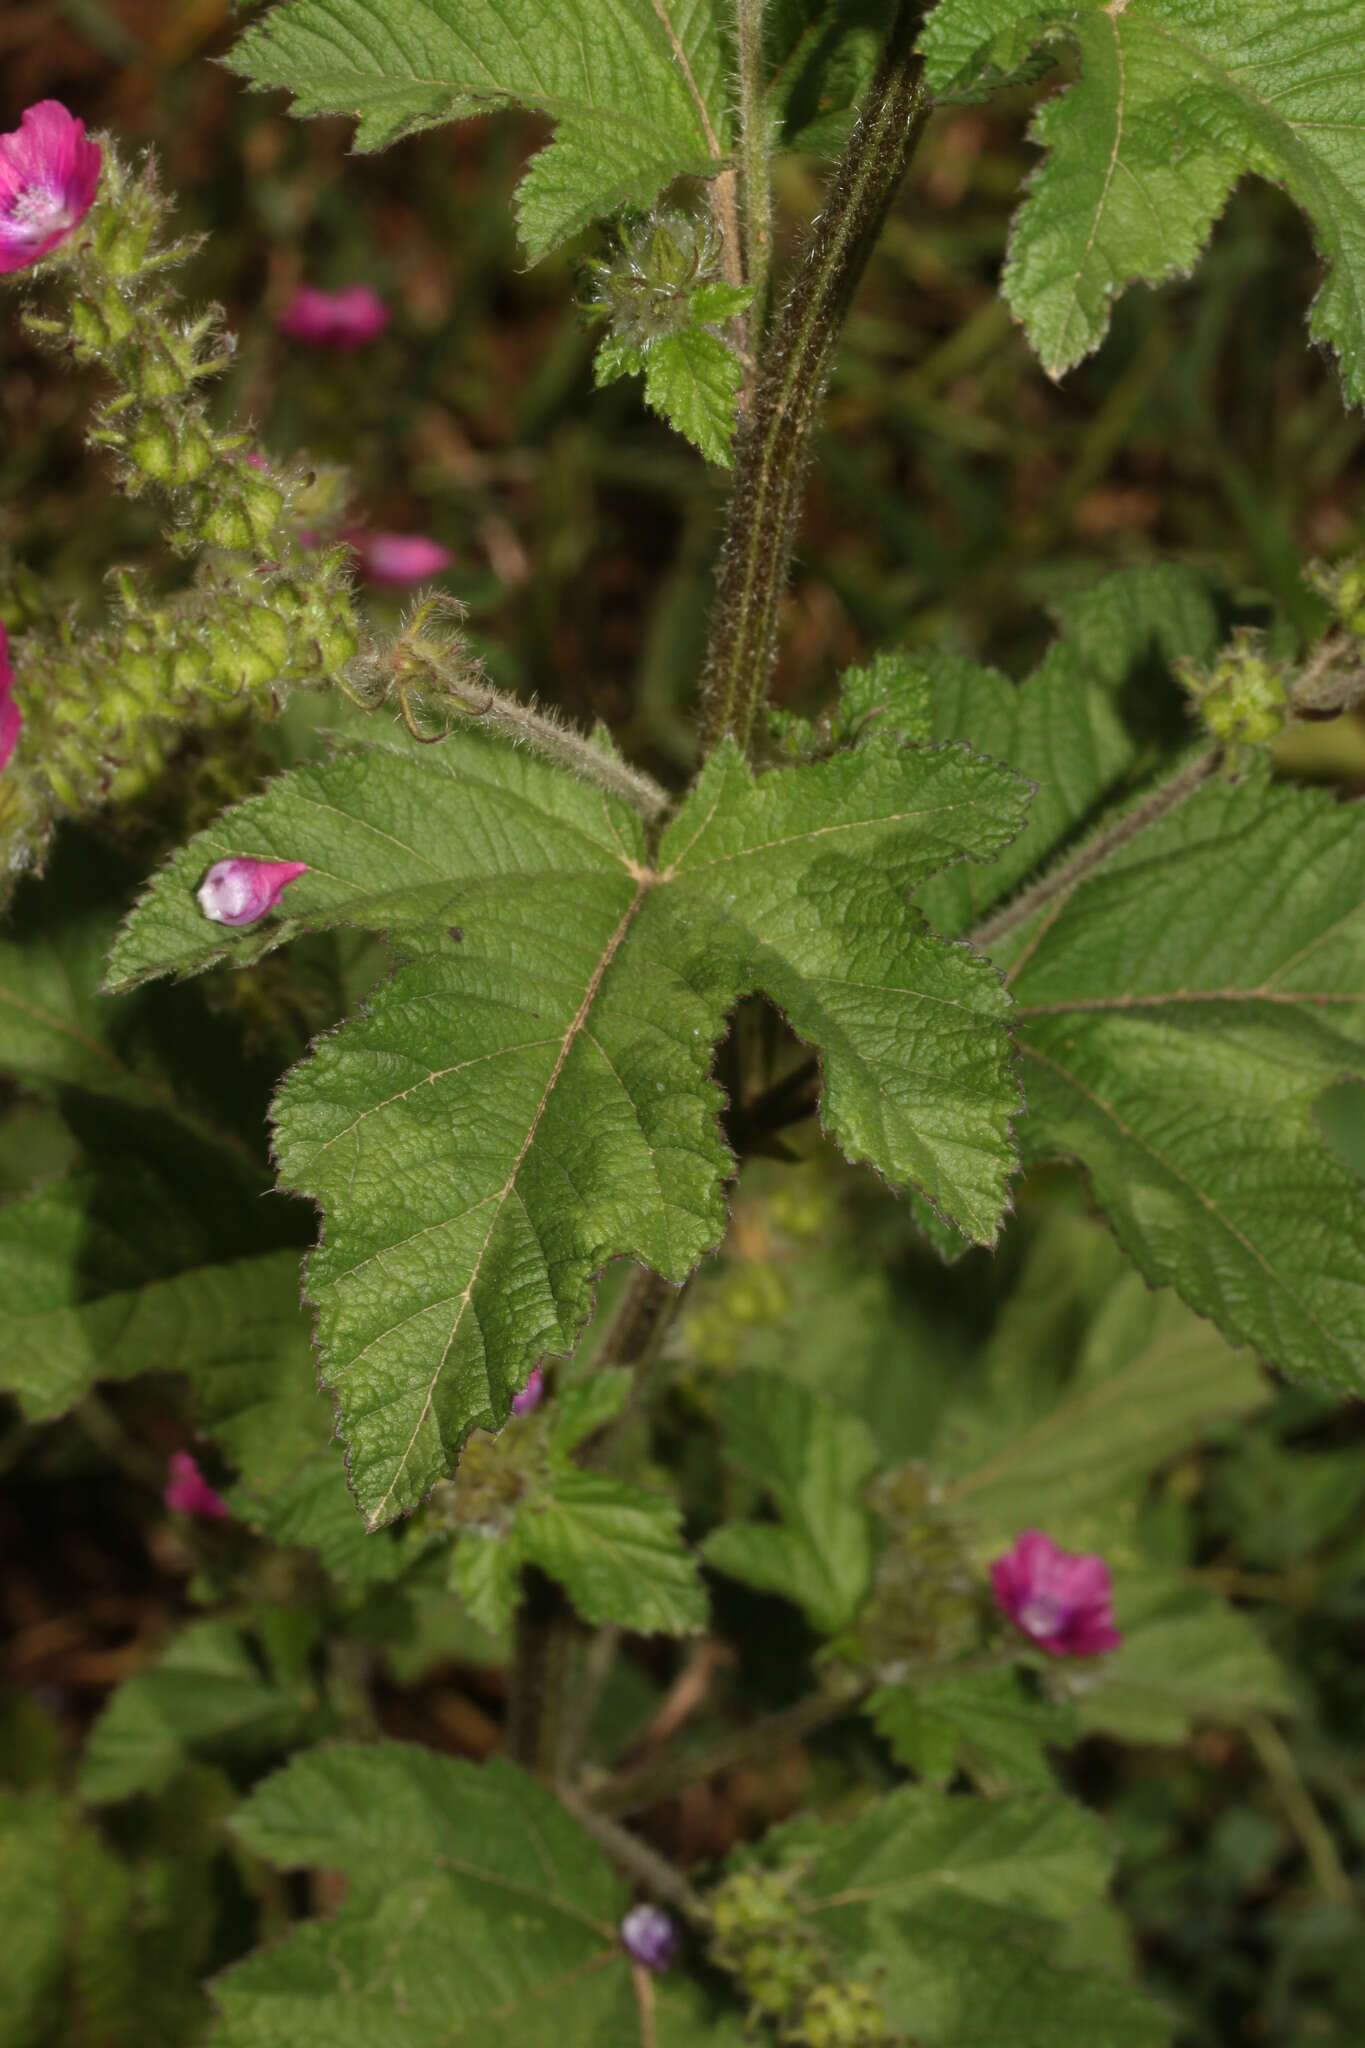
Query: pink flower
{"type": "Point", "coordinates": [340, 320]}
{"type": "Point", "coordinates": [189, 1493]}
{"type": "Point", "coordinates": [11, 717]}
{"type": "Point", "coordinates": [242, 891]}
{"type": "Point", "coordinates": [1064, 1601]}
{"type": "Point", "coordinates": [398, 558]}
{"type": "Point", "coordinates": [48, 175]}
{"type": "Point", "coordinates": [531, 1394]}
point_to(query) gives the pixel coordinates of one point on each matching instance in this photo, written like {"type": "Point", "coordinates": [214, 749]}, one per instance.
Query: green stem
{"type": "Point", "coordinates": [1057, 885]}
{"type": "Point", "coordinates": [792, 375]}
{"type": "Point", "coordinates": [643, 1863]}
{"type": "Point", "coordinates": [756, 193]}
{"type": "Point", "coordinates": [535, 1706]}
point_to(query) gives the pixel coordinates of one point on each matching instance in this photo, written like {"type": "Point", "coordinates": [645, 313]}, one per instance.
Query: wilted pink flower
{"type": "Point", "coordinates": [48, 175]}
{"type": "Point", "coordinates": [398, 558]}
{"type": "Point", "coordinates": [1064, 1601]}
{"type": "Point", "coordinates": [242, 891]}
{"type": "Point", "coordinates": [649, 1936]}
{"type": "Point", "coordinates": [189, 1493]}
{"type": "Point", "coordinates": [11, 717]}
{"type": "Point", "coordinates": [340, 320]}
{"type": "Point", "coordinates": [531, 1394]}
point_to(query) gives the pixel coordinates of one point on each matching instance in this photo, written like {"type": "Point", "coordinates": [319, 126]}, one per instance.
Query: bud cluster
{"type": "Point", "coordinates": [759, 1934]}
{"type": "Point", "coordinates": [645, 287]}
{"type": "Point", "coordinates": [925, 1603]}
{"type": "Point", "coordinates": [1343, 586]}
{"type": "Point", "coordinates": [1242, 699]}
{"type": "Point", "coordinates": [266, 613]}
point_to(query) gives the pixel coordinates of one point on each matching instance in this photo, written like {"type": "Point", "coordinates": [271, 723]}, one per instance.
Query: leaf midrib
{"type": "Point", "coordinates": [500, 1199]}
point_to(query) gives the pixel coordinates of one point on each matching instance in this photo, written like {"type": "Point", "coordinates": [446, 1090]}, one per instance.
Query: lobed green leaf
{"type": "Point", "coordinates": [1177, 100]}
{"type": "Point", "coordinates": [529, 1096]}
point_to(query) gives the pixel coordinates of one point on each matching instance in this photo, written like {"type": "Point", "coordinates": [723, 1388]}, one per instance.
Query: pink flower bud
{"type": "Point", "coordinates": [189, 1493]}
{"type": "Point", "coordinates": [341, 320]}
{"type": "Point", "coordinates": [649, 1937]}
{"type": "Point", "coordinates": [242, 891]}
{"type": "Point", "coordinates": [398, 558]}
{"type": "Point", "coordinates": [11, 717]}
{"type": "Point", "coordinates": [531, 1394]}
{"type": "Point", "coordinates": [48, 175]}
{"type": "Point", "coordinates": [1062, 1600]}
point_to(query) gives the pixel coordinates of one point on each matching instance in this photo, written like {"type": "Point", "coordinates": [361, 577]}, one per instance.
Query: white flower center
{"type": "Point", "coordinates": [1041, 1615]}
{"type": "Point", "coordinates": [36, 210]}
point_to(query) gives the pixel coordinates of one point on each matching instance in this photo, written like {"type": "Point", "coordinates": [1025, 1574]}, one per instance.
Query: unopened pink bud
{"type": "Point", "coordinates": [48, 175]}
{"type": "Point", "coordinates": [11, 717]}
{"type": "Point", "coordinates": [338, 320]}
{"type": "Point", "coordinates": [242, 891]}
{"type": "Point", "coordinates": [1064, 1601]}
{"type": "Point", "coordinates": [189, 1493]}
{"type": "Point", "coordinates": [531, 1395]}
{"type": "Point", "coordinates": [398, 558]}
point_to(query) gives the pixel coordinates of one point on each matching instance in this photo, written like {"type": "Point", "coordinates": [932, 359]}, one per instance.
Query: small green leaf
{"type": "Point", "coordinates": [1176, 101]}
{"type": "Point", "coordinates": [485, 1576]}
{"type": "Point", "coordinates": [991, 1715]}
{"type": "Point", "coordinates": [638, 90]}
{"type": "Point", "coordinates": [1180, 1015]}
{"type": "Point", "coordinates": [692, 379]}
{"type": "Point", "coordinates": [814, 1461]}
{"type": "Point", "coordinates": [616, 1551]}
{"type": "Point", "coordinates": [1089, 1384]}
{"type": "Point", "coordinates": [1186, 1658]}
{"type": "Point", "coordinates": [583, 1408]}
{"type": "Point", "coordinates": [506, 1058]}
{"type": "Point", "coordinates": [205, 1695]}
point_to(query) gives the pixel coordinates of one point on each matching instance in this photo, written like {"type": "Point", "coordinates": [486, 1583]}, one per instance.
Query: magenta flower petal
{"type": "Point", "coordinates": [531, 1394]}
{"type": "Point", "coordinates": [11, 717]}
{"type": "Point", "coordinates": [48, 175]}
{"type": "Point", "coordinates": [189, 1493]}
{"type": "Point", "coordinates": [1062, 1599]}
{"type": "Point", "coordinates": [398, 558]}
{"type": "Point", "coordinates": [242, 891]}
{"type": "Point", "coordinates": [341, 320]}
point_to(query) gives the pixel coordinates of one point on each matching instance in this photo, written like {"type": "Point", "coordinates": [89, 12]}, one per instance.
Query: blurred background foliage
{"type": "Point", "coordinates": [956, 491]}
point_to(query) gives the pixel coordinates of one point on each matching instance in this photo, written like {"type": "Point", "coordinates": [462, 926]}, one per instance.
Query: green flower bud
{"type": "Point", "coordinates": [152, 450]}
{"type": "Point", "coordinates": [843, 2016]}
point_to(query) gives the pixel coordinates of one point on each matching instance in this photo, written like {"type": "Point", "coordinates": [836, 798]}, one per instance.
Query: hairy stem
{"type": "Point", "coordinates": [643, 1863]}
{"type": "Point", "coordinates": [535, 1705]}
{"type": "Point", "coordinates": [1058, 885]}
{"type": "Point", "coordinates": [792, 374]}
{"type": "Point", "coordinates": [753, 160]}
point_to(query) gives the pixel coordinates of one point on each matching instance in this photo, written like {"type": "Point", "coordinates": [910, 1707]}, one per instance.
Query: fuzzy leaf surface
{"type": "Point", "coordinates": [529, 1096]}
{"type": "Point", "coordinates": [991, 1714]}
{"type": "Point", "coordinates": [950, 1907]}
{"type": "Point", "coordinates": [476, 1910]}
{"type": "Point", "coordinates": [1090, 1382]}
{"type": "Point", "coordinates": [1180, 1015]}
{"type": "Point", "coordinates": [205, 1692]}
{"type": "Point", "coordinates": [1186, 1658]}
{"type": "Point", "coordinates": [1060, 727]}
{"type": "Point", "coordinates": [637, 88]}
{"type": "Point", "coordinates": [616, 1551]}
{"type": "Point", "coordinates": [814, 1461]}
{"type": "Point", "coordinates": [1177, 100]}
{"type": "Point", "coordinates": [692, 378]}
